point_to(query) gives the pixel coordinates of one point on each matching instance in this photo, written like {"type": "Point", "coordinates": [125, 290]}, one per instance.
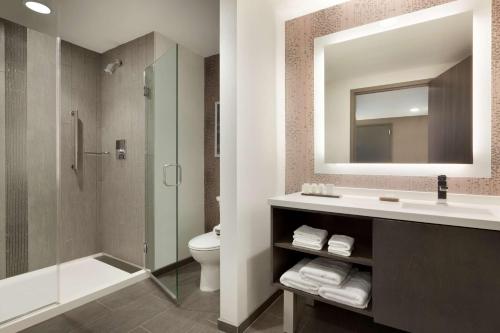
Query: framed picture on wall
{"type": "Point", "coordinates": [217, 129]}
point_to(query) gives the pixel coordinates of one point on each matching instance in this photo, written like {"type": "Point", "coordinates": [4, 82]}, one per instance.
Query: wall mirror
{"type": "Point", "coordinates": [409, 95]}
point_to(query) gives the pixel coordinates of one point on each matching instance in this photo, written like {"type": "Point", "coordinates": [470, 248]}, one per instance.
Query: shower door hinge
{"type": "Point", "coordinates": [145, 247]}
{"type": "Point", "coordinates": [147, 92]}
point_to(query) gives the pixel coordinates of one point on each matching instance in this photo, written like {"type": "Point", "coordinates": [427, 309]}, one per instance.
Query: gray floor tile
{"type": "Point", "coordinates": [131, 315]}
{"type": "Point", "coordinates": [173, 320]}
{"type": "Point", "coordinates": [277, 307]}
{"type": "Point", "coordinates": [139, 330]}
{"type": "Point", "coordinates": [266, 323]}
{"type": "Point", "coordinates": [125, 296]}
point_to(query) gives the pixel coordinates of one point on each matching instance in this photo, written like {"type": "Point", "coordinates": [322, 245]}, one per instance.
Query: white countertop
{"type": "Point", "coordinates": [471, 211]}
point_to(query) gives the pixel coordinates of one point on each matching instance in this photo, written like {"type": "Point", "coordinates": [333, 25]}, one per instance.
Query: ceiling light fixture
{"type": "Point", "coordinates": [38, 7]}
{"type": "Point", "coordinates": [414, 109]}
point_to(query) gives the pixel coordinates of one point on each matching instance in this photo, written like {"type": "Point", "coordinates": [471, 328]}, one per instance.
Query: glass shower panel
{"type": "Point", "coordinates": [162, 170]}
{"type": "Point", "coordinates": [28, 162]}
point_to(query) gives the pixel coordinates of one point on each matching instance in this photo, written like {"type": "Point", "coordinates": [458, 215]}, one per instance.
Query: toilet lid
{"type": "Point", "coordinates": [205, 242]}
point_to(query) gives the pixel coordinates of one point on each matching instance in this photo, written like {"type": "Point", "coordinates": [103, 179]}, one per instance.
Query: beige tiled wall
{"type": "Point", "coordinates": [300, 34]}
{"type": "Point", "coordinates": [80, 90]}
{"type": "Point", "coordinates": [41, 147]}
{"type": "Point", "coordinates": [122, 215]}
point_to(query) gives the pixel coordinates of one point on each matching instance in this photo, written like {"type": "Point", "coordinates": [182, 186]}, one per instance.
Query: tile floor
{"type": "Point", "coordinates": [144, 308]}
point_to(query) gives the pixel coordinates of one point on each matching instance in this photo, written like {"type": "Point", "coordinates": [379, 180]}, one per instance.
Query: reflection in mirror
{"type": "Point", "coordinates": [401, 96]}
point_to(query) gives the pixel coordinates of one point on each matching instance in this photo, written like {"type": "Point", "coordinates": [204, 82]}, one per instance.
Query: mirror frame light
{"type": "Point", "coordinates": [482, 29]}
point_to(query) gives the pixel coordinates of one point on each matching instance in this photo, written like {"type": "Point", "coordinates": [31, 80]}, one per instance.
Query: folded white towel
{"type": "Point", "coordinates": [354, 292]}
{"type": "Point", "coordinates": [313, 234]}
{"type": "Point", "coordinates": [292, 279]}
{"type": "Point", "coordinates": [340, 252]}
{"type": "Point", "coordinates": [300, 242]}
{"type": "Point", "coordinates": [341, 242]}
{"type": "Point", "coordinates": [326, 271]}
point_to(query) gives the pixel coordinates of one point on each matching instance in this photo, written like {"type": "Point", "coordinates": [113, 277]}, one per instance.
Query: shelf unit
{"type": "Point", "coordinates": [361, 255]}
{"type": "Point", "coordinates": [285, 255]}
{"type": "Point", "coordinates": [365, 312]}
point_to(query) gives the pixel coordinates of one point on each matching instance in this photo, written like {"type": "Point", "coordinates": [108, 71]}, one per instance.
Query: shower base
{"type": "Point", "coordinates": [80, 281]}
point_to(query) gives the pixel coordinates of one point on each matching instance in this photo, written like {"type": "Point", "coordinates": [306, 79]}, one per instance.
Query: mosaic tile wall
{"type": "Point", "coordinates": [300, 34]}
{"type": "Point", "coordinates": [211, 162]}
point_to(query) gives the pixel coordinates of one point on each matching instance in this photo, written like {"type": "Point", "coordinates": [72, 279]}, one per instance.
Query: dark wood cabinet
{"type": "Point", "coordinates": [434, 278]}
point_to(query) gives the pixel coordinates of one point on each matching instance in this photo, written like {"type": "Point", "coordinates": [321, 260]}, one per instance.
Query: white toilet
{"type": "Point", "coordinates": [205, 249]}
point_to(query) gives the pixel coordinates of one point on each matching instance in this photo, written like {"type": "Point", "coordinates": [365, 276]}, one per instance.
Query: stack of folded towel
{"type": "Point", "coordinates": [293, 279]}
{"type": "Point", "coordinates": [309, 237]}
{"type": "Point", "coordinates": [326, 271]}
{"type": "Point", "coordinates": [331, 279]}
{"type": "Point", "coordinates": [341, 245]}
{"type": "Point", "coordinates": [355, 291]}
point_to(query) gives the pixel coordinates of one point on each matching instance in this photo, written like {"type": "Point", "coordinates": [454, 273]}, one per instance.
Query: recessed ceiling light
{"type": "Point", "coordinates": [37, 7]}
{"type": "Point", "coordinates": [414, 109]}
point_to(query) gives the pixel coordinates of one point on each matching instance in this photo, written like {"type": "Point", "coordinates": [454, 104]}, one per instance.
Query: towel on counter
{"type": "Point", "coordinates": [303, 242]}
{"type": "Point", "coordinates": [325, 271]}
{"type": "Point", "coordinates": [311, 234]}
{"type": "Point", "coordinates": [292, 279]}
{"type": "Point", "coordinates": [354, 292]}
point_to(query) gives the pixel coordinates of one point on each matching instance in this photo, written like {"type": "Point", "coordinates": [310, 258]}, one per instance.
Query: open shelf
{"type": "Point", "coordinates": [366, 312]}
{"type": "Point", "coordinates": [361, 255]}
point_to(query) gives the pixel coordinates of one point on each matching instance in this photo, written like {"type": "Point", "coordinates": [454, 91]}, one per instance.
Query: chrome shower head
{"type": "Point", "coordinates": [111, 67]}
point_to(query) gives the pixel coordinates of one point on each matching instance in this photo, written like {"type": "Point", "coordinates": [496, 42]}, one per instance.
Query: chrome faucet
{"type": "Point", "coordinates": [442, 189]}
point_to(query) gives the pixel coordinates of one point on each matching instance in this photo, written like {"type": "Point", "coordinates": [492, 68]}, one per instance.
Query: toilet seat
{"type": "Point", "coordinates": [206, 242]}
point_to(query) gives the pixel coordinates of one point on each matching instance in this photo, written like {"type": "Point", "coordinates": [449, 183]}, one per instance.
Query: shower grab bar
{"type": "Point", "coordinates": [76, 140]}
{"type": "Point", "coordinates": [97, 153]}
{"type": "Point", "coordinates": [179, 178]}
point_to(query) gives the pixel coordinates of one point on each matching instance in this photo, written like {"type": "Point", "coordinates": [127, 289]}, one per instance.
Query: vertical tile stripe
{"type": "Point", "coordinates": [15, 150]}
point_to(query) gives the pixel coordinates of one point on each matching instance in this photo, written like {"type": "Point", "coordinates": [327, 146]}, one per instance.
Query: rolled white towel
{"type": "Point", "coordinates": [354, 292]}
{"type": "Point", "coordinates": [341, 242]}
{"type": "Point", "coordinates": [313, 234]}
{"type": "Point", "coordinates": [301, 242]}
{"type": "Point", "coordinates": [326, 271]}
{"type": "Point", "coordinates": [292, 279]}
{"type": "Point", "coordinates": [339, 252]}
{"type": "Point", "coordinates": [216, 229]}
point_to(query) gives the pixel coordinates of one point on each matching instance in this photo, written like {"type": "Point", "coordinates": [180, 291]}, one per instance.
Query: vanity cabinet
{"type": "Point", "coordinates": [427, 278]}
{"type": "Point", "coordinates": [435, 278]}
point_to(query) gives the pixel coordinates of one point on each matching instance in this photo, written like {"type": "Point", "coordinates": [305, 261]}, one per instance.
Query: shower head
{"type": "Point", "coordinates": [111, 67]}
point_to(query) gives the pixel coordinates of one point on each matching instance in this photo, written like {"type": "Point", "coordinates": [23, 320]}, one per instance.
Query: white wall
{"type": "Point", "coordinates": [248, 154]}
{"type": "Point", "coordinates": [230, 250]}
{"type": "Point", "coordinates": [252, 61]}
{"type": "Point", "coordinates": [338, 105]}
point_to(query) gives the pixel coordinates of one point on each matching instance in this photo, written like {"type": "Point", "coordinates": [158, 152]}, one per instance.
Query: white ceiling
{"type": "Point", "coordinates": [442, 41]}
{"type": "Point", "coordinates": [100, 25]}
{"type": "Point", "coordinates": [391, 104]}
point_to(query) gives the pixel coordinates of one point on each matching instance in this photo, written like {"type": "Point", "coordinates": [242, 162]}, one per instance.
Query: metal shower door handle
{"type": "Point", "coordinates": [179, 177]}
{"type": "Point", "coordinates": [76, 141]}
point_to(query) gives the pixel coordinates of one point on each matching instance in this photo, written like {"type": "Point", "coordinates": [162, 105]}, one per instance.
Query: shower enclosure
{"type": "Point", "coordinates": [101, 165]}
{"type": "Point", "coordinates": [174, 168]}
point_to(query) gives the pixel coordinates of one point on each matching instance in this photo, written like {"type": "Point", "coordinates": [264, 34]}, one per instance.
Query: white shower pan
{"type": "Point", "coordinates": [80, 281]}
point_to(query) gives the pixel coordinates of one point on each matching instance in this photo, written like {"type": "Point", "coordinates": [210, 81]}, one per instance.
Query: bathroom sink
{"type": "Point", "coordinates": [448, 208]}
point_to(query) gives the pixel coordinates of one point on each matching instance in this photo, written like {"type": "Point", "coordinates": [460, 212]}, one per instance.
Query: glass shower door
{"type": "Point", "coordinates": [163, 173]}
